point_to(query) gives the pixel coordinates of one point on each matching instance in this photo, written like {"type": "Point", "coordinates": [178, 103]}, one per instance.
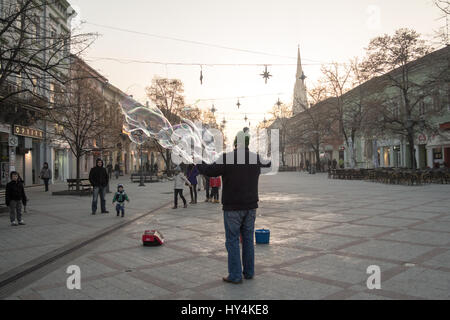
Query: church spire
{"type": "Point", "coordinates": [300, 92]}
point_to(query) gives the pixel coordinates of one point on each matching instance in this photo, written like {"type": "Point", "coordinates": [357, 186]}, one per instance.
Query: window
{"type": "Point", "coordinates": [52, 93]}
{"type": "Point", "coordinates": [37, 24]}
{"type": "Point", "coordinates": [437, 106]}
{"type": "Point", "coordinates": [35, 83]}
{"type": "Point", "coordinates": [396, 111]}
{"type": "Point", "coordinates": [422, 108]}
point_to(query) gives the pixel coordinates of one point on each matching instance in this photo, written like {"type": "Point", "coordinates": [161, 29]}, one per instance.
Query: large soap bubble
{"type": "Point", "coordinates": [189, 142]}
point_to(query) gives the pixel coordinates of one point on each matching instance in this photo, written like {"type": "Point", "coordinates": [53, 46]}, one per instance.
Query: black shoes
{"type": "Point", "coordinates": [232, 282]}
{"type": "Point", "coordinates": [105, 212]}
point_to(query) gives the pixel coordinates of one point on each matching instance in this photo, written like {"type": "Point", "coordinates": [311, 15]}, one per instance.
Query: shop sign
{"type": "Point", "coordinates": [423, 139]}
{"type": "Point", "coordinates": [28, 132]}
{"type": "Point", "coordinates": [13, 141]}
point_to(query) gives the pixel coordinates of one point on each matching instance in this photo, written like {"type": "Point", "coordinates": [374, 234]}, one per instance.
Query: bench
{"type": "Point", "coordinates": [148, 178]}
{"type": "Point", "coordinates": [85, 185]}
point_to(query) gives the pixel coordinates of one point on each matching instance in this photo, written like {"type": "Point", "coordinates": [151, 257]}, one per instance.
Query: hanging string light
{"type": "Point", "coordinates": [279, 103]}
{"type": "Point", "coordinates": [266, 75]}
{"type": "Point", "coordinates": [201, 75]}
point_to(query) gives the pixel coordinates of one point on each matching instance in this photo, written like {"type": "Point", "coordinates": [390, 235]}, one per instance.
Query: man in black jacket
{"type": "Point", "coordinates": [15, 197]}
{"type": "Point", "coordinates": [99, 181]}
{"type": "Point", "coordinates": [240, 171]}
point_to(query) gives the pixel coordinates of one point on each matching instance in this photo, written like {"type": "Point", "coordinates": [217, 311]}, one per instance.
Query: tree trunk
{"type": "Point", "coordinates": [78, 172]}
{"type": "Point", "coordinates": [412, 153]}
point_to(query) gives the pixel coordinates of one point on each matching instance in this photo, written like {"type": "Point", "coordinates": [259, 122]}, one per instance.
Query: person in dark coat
{"type": "Point", "coordinates": [46, 175]}
{"type": "Point", "coordinates": [192, 174]}
{"type": "Point", "coordinates": [99, 180]}
{"type": "Point", "coordinates": [109, 167]}
{"type": "Point", "coordinates": [240, 199]}
{"type": "Point", "coordinates": [117, 170]}
{"type": "Point", "coordinates": [15, 197]}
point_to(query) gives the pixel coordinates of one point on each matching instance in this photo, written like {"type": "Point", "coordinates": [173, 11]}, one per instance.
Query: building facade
{"type": "Point", "coordinates": [24, 146]}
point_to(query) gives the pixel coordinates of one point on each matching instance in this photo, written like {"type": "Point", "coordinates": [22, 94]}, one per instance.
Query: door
{"type": "Point", "coordinates": [447, 157]}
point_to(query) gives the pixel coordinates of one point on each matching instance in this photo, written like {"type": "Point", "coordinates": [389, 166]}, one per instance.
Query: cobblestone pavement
{"type": "Point", "coordinates": [324, 236]}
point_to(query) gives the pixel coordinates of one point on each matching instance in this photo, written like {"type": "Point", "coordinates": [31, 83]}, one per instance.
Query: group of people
{"type": "Point", "coordinates": [99, 178]}
{"type": "Point", "coordinates": [194, 180]}
{"type": "Point", "coordinates": [239, 199]}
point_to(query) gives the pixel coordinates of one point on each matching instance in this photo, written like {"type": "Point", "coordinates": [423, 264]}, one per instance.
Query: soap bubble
{"type": "Point", "coordinates": [190, 143]}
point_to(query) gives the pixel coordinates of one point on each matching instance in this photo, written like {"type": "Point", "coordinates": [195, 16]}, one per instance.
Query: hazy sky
{"type": "Point", "coordinates": [326, 31]}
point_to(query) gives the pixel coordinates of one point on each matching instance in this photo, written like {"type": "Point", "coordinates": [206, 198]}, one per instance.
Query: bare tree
{"type": "Point", "coordinates": [80, 117]}
{"type": "Point", "coordinates": [167, 95]}
{"type": "Point", "coordinates": [339, 79]}
{"type": "Point", "coordinates": [32, 56]}
{"type": "Point", "coordinates": [394, 59]}
{"type": "Point", "coordinates": [315, 126]}
{"type": "Point", "coordinates": [281, 113]}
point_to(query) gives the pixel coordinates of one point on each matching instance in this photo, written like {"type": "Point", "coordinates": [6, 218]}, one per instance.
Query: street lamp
{"type": "Point", "coordinates": [141, 184]}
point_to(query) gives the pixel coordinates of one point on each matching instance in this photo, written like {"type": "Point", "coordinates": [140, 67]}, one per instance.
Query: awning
{"type": "Point", "coordinates": [445, 126]}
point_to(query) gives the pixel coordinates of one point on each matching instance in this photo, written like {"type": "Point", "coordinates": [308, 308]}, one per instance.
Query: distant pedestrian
{"type": "Point", "coordinates": [15, 197]}
{"type": "Point", "coordinates": [109, 167]}
{"type": "Point", "coordinates": [46, 175]}
{"type": "Point", "coordinates": [192, 177]}
{"type": "Point", "coordinates": [207, 188]}
{"type": "Point", "coordinates": [98, 178]}
{"type": "Point", "coordinates": [215, 184]}
{"type": "Point", "coordinates": [179, 181]}
{"type": "Point", "coordinates": [117, 170]}
{"type": "Point", "coordinates": [335, 164]}
{"type": "Point", "coordinates": [120, 197]}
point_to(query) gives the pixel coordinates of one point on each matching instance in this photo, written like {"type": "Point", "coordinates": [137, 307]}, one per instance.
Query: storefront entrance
{"type": "Point", "coordinates": [447, 157]}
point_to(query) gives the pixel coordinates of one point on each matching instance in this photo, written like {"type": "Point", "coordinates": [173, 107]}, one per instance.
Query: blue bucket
{"type": "Point", "coordinates": [262, 236]}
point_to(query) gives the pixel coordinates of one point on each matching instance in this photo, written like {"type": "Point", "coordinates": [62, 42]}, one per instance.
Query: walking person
{"type": "Point", "coordinates": [120, 197]}
{"type": "Point", "coordinates": [192, 177]}
{"type": "Point", "coordinates": [98, 178]}
{"type": "Point", "coordinates": [46, 175]}
{"type": "Point", "coordinates": [215, 184]}
{"type": "Point", "coordinates": [240, 201]}
{"type": "Point", "coordinates": [207, 188]}
{"type": "Point", "coordinates": [117, 171]}
{"type": "Point", "coordinates": [179, 181]}
{"type": "Point", "coordinates": [109, 167]}
{"type": "Point", "coordinates": [15, 197]}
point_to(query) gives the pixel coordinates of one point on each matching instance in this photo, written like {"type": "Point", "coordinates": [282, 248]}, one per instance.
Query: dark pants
{"type": "Point", "coordinates": [215, 193]}
{"type": "Point", "coordinates": [207, 188]}
{"type": "Point", "coordinates": [120, 207]}
{"type": "Point", "coordinates": [179, 192]}
{"type": "Point", "coordinates": [102, 192]}
{"type": "Point", "coordinates": [15, 209]}
{"type": "Point", "coordinates": [46, 184]}
{"type": "Point", "coordinates": [240, 223]}
{"type": "Point", "coordinates": [193, 190]}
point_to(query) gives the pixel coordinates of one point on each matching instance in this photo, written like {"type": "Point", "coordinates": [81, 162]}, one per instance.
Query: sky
{"type": "Point", "coordinates": [326, 31]}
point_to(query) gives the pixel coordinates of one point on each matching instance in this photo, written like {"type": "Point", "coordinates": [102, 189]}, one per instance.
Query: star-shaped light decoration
{"type": "Point", "coordinates": [238, 104]}
{"type": "Point", "coordinates": [224, 122]}
{"type": "Point", "coordinates": [213, 109]}
{"type": "Point", "coordinates": [266, 75]}
{"type": "Point", "coordinates": [303, 77]}
{"type": "Point", "coordinates": [201, 75]}
{"type": "Point", "coordinates": [279, 103]}
{"type": "Point", "coordinates": [246, 118]}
